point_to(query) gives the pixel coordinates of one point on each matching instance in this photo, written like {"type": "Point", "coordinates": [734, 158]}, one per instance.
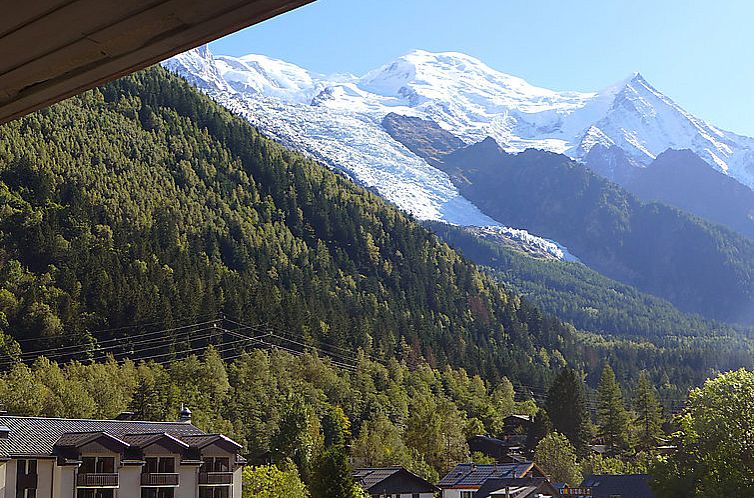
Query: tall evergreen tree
{"type": "Point", "coordinates": [648, 413]}
{"type": "Point", "coordinates": [539, 428]}
{"type": "Point", "coordinates": [566, 407]}
{"type": "Point", "coordinates": [612, 417]}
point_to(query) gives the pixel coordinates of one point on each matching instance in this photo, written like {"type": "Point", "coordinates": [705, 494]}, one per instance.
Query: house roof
{"type": "Point", "coordinates": [78, 439]}
{"type": "Point", "coordinates": [370, 477]}
{"type": "Point", "coordinates": [471, 475]}
{"type": "Point", "coordinates": [203, 440]}
{"type": "Point", "coordinates": [145, 440]}
{"type": "Point", "coordinates": [519, 487]}
{"type": "Point", "coordinates": [489, 440]}
{"type": "Point", "coordinates": [36, 436]}
{"type": "Point", "coordinates": [625, 486]}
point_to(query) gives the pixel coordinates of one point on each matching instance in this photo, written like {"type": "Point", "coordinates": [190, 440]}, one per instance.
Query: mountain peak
{"type": "Point", "coordinates": [686, 156]}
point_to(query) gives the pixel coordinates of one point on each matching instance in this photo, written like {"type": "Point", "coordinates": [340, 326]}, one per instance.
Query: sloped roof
{"type": "Point", "coordinates": [370, 477]}
{"type": "Point", "coordinates": [36, 436]}
{"type": "Point", "coordinates": [78, 439]}
{"type": "Point", "coordinates": [627, 486]}
{"type": "Point", "coordinates": [519, 487]}
{"type": "Point", "coordinates": [144, 440]}
{"type": "Point", "coordinates": [202, 440]}
{"type": "Point", "coordinates": [472, 475]}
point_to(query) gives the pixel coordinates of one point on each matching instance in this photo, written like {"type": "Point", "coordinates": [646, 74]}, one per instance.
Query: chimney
{"type": "Point", "coordinates": [185, 415]}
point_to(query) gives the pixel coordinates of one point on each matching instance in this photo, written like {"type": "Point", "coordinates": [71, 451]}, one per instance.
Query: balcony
{"type": "Point", "coordinates": [159, 479]}
{"type": "Point", "coordinates": [217, 478]}
{"type": "Point", "coordinates": [97, 481]}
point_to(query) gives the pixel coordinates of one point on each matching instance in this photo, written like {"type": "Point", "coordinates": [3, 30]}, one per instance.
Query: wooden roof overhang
{"type": "Point", "coordinates": [53, 49]}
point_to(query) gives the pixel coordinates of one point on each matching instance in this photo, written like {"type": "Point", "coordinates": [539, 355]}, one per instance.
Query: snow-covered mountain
{"type": "Point", "coordinates": [338, 120]}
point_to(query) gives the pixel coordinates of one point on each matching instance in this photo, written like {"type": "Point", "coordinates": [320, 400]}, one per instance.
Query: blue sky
{"type": "Point", "coordinates": [700, 53]}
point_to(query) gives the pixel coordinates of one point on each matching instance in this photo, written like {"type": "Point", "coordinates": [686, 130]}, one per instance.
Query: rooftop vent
{"type": "Point", "coordinates": [185, 415]}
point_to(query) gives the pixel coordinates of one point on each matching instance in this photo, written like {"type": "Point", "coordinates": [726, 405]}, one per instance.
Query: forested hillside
{"type": "Point", "coordinates": [578, 294]}
{"type": "Point", "coordinates": [697, 266]}
{"type": "Point", "coordinates": [144, 201]}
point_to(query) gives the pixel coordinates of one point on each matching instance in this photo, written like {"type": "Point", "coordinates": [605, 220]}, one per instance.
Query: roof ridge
{"type": "Point", "coordinates": [166, 422]}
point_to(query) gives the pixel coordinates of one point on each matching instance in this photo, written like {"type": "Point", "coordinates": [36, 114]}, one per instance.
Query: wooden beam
{"type": "Point", "coordinates": [56, 49]}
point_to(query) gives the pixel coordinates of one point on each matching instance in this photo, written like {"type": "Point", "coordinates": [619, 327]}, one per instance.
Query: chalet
{"type": "Point", "coordinates": [77, 458]}
{"type": "Point", "coordinates": [518, 487]}
{"type": "Point", "coordinates": [516, 428]}
{"type": "Point", "coordinates": [619, 486]}
{"type": "Point", "coordinates": [501, 451]}
{"type": "Point", "coordinates": [464, 480]}
{"type": "Point", "coordinates": [394, 482]}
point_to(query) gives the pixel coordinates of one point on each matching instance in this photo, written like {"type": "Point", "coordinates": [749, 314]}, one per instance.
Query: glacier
{"type": "Point", "coordinates": [337, 120]}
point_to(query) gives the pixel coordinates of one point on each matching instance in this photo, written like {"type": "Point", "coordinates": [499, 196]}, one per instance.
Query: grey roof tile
{"type": "Point", "coordinates": [35, 436]}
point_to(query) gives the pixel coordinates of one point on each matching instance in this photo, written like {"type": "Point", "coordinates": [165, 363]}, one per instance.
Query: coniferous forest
{"type": "Point", "coordinates": [157, 250]}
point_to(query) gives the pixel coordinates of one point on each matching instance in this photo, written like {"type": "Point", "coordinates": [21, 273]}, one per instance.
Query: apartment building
{"type": "Point", "coordinates": [71, 458]}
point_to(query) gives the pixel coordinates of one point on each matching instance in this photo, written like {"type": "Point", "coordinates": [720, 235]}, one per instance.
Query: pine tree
{"type": "Point", "coordinates": [612, 417]}
{"type": "Point", "coordinates": [539, 428]}
{"type": "Point", "coordinates": [566, 407]}
{"type": "Point", "coordinates": [648, 413]}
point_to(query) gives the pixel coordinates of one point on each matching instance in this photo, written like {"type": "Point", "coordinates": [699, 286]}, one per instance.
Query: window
{"type": "Point", "coordinates": [95, 493]}
{"type": "Point", "coordinates": [415, 495]}
{"type": "Point", "coordinates": [159, 465]}
{"type": "Point", "coordinates": [26, 467]}
{"type": "Point", "coordinates": [97, 465]}
{"type": "Point", "coordinates": [467, 494]}
{"type": "Point", "coordinates": [157, 493]}
{"type": "Point", "coordinates": [215, 464]}
{"type": "Point", "coordinates": [214, 492]}
{"type": "Point", "coordinates": [26, 478]}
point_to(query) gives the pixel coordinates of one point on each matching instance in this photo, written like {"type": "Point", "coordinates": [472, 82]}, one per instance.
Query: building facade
{"type": "Point", "coordinates": [72, 458]}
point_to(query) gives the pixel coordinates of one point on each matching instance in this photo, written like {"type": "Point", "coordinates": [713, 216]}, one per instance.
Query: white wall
{"type": "Point", "coordinates": [189, 481]}
{"type": "Point", "coordinates": [237, 482]}
{"type": "Point", "coordinates": [45, 478]}
{"type": "Point", "coordinates": [129, 481]}
{"type": "Point", "coordinates": [455, 493]}
{"type": "Point", "coordinates": [10, 479]}
{"type": "Point", "coordinates": [64, 482]}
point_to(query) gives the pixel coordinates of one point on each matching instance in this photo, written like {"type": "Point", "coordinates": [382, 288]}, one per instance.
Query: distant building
{"type": "Point", "coordinates": [394, 482]}
{"type": "Point", "coordinates": [501, 451]}
{"type": "Point", "coordinates": [468, 478]}
{"type": "Point", "coordinates": [519, 487]}
{"type": "Point", "coordinates": [73, 458]}
{"type": "Point", "coordinates": [516, 428]}
{"type": "Point", "coordinates": [619, 486]}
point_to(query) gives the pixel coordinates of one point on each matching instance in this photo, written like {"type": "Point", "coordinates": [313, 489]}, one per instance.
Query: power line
{"type": "Point", "coordinates": [99, 343]}
{"type": "Point", "coordinates": [113, 329]}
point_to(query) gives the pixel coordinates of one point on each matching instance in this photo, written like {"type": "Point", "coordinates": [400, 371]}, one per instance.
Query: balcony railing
{"type": "Point", "coordinates": [215, 477]}
{"type": "Point", "coordinates": [159, 479]}
{"type": "Point", "coordinates": [27, 481]}
{"type": "Point", "coordinates": [97, 481]}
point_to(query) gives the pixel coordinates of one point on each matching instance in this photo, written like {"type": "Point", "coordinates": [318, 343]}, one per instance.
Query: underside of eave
{"type": "Point", "coordinates": [56, 49]}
